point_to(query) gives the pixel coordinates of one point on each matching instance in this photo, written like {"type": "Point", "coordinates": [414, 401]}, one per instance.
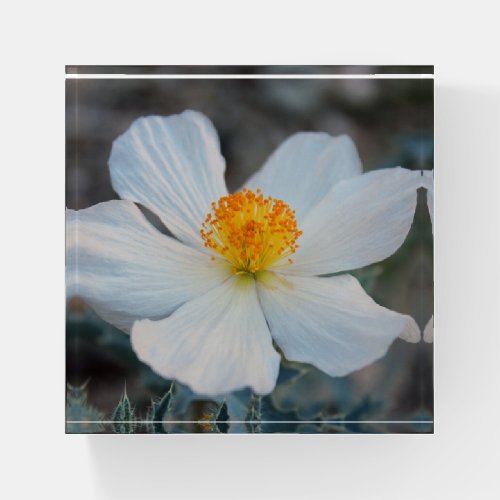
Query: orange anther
{"type": "Point", "coordinates": [250, 231]}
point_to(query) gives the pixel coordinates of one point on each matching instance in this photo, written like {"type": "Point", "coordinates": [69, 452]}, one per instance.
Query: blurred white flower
{"type": "Point", "coordinates": [428, 183]}
{"type": "Point", "coordinates": [245, 269]}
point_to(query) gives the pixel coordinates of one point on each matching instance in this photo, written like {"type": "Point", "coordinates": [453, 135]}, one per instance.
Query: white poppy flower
{"type": "Point", "coordinates": [428, 183]}
{"type": "Point", "coordinates": [244, 269]}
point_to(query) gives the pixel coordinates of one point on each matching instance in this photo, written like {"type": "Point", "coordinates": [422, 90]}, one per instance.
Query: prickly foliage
{"type": "Point", "coordinates": [81, 417]}
{"type": "Point", "coordinates": [159, 412]}
{"type": "Point", "coordinates": [254, 415]}
{"type": "Point", "coordinates": [123, 416]}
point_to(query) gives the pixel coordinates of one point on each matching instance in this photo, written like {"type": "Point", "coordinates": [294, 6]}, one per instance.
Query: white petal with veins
{"type": "Point", "coordinates": [126, 269]}
{"type": "Point", "coordinates": [173, 166]}
{"type": "Point", "coordinates": [360, 221]}
{"type": "Point", "coordinates": [216, 343]}
{"type": "Point", "coordinates": [305, 167]}
{"type": "Point", "coordinates": [329, 322]}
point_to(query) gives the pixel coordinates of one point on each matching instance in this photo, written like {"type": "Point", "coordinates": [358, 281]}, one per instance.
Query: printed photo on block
{"type": "Point", "coordinates": [249, 249]}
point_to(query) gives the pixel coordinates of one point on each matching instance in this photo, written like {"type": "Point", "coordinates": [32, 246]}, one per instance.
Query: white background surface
{"type": "Point", "coordinates": [460, 461]}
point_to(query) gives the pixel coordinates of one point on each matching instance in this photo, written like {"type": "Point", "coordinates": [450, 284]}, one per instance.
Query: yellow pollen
{"type": "Point", "coordinates": [251, 232]}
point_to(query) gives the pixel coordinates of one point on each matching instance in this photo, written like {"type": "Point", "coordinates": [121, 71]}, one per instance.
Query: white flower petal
{"type": "Point", "coordinates": [360, 221]}
{"type": "Point", "coordinates": [173, 166]}
{"type": "Point", "coordinates": [428, 183]}
{"type": "Point", "coordinates": [305, 167]}
{"type": "Point", "coordinates": [329, 322]}
{"type": "Point", "coordinates": [126, 269]}
{"type": "Point", "coordinates": [216, 343]}
{"type": "Point", "coordinates": [411, 333]}
{"type": "Point", "coordinates": [429, 330]}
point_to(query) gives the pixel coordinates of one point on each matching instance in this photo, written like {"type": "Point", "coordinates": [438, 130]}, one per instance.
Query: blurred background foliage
{"type": "Point", "coordinates": [391, 122]}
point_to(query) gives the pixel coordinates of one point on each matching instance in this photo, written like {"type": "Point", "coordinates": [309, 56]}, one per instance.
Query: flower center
{"type": "Point", "coordinates": [251, 232]}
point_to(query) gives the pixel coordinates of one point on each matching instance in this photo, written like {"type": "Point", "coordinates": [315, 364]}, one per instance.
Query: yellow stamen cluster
{"type": "Point", "coordinates": [251, 232]}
